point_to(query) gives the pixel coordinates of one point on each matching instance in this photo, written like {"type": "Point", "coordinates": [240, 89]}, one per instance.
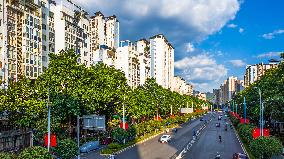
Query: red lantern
{"type": "Point", "coordinates": [52, 140]}
{"type": "Point", "coordinates": [121, 125]}
{"type": "Point", "coordinates": [242, 121]}
{"type": "Point", "coordinates": [158, 118]}
{"type": "Point", "coordinates": [256, 132]}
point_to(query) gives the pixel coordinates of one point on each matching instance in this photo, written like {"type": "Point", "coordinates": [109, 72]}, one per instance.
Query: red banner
{"type": "Point", "coordinates": [121, 125]}
{"type": "Point", "coordinates": [242, 121]}
{"type": "Point", "coordinates": [256, 132]}
{"type": "Point", "coordinates": [52, 140]}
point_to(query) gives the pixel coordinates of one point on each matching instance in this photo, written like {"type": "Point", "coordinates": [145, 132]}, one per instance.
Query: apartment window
{"type": "Point", "coordinates": [43, 16]}
{"type": "Point", "coordinates": [44, 58]}
{"type": "Point", "coordinates": [27, 70]}
{"type": "Point", "coordinates": [43, 26]}
{"type": "Point", "coordinates": [44, 48]}
{"type": "Point", "coordinates": [44, 37]}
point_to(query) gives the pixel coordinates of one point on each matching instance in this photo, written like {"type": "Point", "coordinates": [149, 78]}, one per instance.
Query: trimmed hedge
{"type": "Point", "coordinates": [66, 149]}
{"type": "Point", "coordinates": [5, 155]}
{"type": "Point", "coordinates": [35, 152]}
{"type": "Point", "coordinates": [265, 147]}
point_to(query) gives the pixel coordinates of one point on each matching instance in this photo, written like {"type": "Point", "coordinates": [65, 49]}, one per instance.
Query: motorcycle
{"type": "Point", "coordinates": [218, 156]}
{"type": "Point", "coordinates": [220, 138]}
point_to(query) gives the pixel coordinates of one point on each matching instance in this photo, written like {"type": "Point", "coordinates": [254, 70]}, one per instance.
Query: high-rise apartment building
{"type": "Point", "coordinates": [228, 89]}
{"type": "Point", "coordinates": [26, 37]}
{"type": "Point", "coordinates": [180, 86]}
{"type": "Point", "coordinates": [144, 58]}
{"type": "Point", "coordinates": [127, 61]}
{"type": "Point", "coordinates": [104, 38]}
{"type": "Point", "coordinates": [71, 29]}
{"type": "Point", "coordinates": [162, 60]}
{"type": "Point", "coordinates": [255, 72]}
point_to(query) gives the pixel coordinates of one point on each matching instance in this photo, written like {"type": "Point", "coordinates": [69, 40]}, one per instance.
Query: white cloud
{"type": "Point", "coordinates": [202, 17]}
{"type": "Point", "coordinates": [189, 47]}
{"type": "Point", "coordinates": [237, 63]}
{"type": "Point", "coordinates": [269, 54]}
{"type": "Point", "coordinates": [201, 69]}
{"type": "Point", "coordinates": [232, 25]}
{"type": "Point", "coordinates": [241, 30]}
{"type": "Point", "coordinates": [273, 34]}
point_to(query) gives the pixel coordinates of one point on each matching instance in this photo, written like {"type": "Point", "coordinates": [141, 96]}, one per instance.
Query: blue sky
{"type": "Point", "coordinates": [213, 39]}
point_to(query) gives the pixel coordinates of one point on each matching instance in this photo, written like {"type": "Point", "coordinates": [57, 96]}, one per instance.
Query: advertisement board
{"type": "Point", "coordinates": [186, 110]}
{"type": "Point", "coordinates": [94, 122]}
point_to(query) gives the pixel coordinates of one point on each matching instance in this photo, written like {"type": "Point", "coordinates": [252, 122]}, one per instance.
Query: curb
{"type": "Point", "coordinates": [240, 141]}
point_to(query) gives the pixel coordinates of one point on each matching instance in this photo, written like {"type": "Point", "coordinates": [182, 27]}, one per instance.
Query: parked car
{"type": "Point", "coordinates": [165, 138]}
{"type": "Point", "coordinates": [89, 146]}
{"type": "Point", "coordinates": [201, 119]}
{"type": "Point", "coordinates": [240, 156]}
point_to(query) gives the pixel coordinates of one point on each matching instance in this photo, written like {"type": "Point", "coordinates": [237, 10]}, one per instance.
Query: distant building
{"type": "Point", "coordinates": [201, 96]}
{"type": "Point", "coordinates": [179, 85]}
{"type": "Point", "coordinates": [228, 90]}
{"type": "Point", "coordinates": [255, 72]}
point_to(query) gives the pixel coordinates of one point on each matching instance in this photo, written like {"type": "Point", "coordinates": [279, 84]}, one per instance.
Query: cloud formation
{"type": "Point", "coordinates": [202, 17]}
{"type": "Point", "coordinates": [189, 47]}
{"type": "Point", "coordinates": [273, 34]}
{"type": "Point", "coordinates": [232, 25]}
{"type": "Point", "coordinates": [201, 68]}
{"type": "Point", "coordinates": [241, 30]}
{"type": "Point", "coordinates": [237, 63]}
{"type": "Point", "coordinates": [202, 71]}
{"type": "Point", "coordinates": [269, 55]}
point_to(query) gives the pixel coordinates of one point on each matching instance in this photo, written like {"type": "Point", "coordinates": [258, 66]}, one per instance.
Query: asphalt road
{"type": "Point", "coordinates": [152, 149]}
{"type": "Point", "coordinates": [208, 144]}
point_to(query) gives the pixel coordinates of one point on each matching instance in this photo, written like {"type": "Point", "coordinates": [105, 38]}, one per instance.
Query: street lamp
{"type": "Point", "coordinates": [261, 111]}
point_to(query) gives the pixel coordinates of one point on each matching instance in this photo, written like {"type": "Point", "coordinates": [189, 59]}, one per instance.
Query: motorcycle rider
{"type": "Point", "coordinates": [220, 138]}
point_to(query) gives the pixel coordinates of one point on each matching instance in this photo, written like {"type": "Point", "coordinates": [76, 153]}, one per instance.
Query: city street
{"type": "Point", "coordinates": [152, 149]}
{"type": "Point", "coordinates": [208, 144]}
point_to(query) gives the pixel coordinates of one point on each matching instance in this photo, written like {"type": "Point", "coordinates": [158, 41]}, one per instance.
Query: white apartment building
{"type": "Point", "coordinates": [255, 72]}
{"type": "Point", "coordinates": [26, 35]}
{"type": "Point", "coordinates": [179, 85]}
{"type": "Point", "coordinates": [127, 61]}
{"type": "Point", "coordinates": [104, 38]}
{"type": "Point", "coordinates": [162, 60]}
{"type": "Point", "coordinates": [144, 60]}
{"type": "Point", "coordinates": [71, 29]}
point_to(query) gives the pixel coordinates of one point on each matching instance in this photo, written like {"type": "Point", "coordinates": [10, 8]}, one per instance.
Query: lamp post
{"type": "Point", "coordinates": [48, 123]}
{"type": "Point", "coordinates": [261, 112]}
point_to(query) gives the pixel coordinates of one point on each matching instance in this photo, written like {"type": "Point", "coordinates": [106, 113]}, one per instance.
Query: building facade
{"type": "Point", "coordinates": [228, 90]}
{"type": "Point", "coordinates": [179, 85]}
{"type": "Point", "coordinates": [27, 35]}
{"type": "Point", "coordinates": [255, 72]}
{"type": "Point", "coordinates": [162, 60]}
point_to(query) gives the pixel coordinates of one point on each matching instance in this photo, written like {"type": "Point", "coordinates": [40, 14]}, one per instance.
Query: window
{"type": "Point", "coordinates": [43, 15]}
{"type": "Point", "coordinates": [44, 37]}
{"type": "Point", "coordinates": [44, 48]}
{"type": "Point", "coordinates": [44, 58]}
{"type": "Point", "coordinates": [43, 26]}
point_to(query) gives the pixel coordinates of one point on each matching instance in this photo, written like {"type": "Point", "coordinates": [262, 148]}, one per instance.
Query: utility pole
{"type": "Point", "coordinates": [78, 135]}
{"type": "Point", "coordinates": [48, 123]}
{"type": "Point", "coordinates": [123, 116]}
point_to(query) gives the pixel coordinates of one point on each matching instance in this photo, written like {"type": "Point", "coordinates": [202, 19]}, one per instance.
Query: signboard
{"type": "Point", "coordinates": [186, 110]}
{"type": "Point", "coordinates": [94, 122]}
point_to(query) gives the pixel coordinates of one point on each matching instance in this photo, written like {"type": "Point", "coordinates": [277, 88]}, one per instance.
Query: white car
{"type": "Point", "coordinates": [165, 138]}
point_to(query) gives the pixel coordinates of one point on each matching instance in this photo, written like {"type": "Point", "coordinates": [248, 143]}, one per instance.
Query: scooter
{"type": "Point", "coordinates": [218, 156]}
{"type": "Point", "coordinates": [220, 138]}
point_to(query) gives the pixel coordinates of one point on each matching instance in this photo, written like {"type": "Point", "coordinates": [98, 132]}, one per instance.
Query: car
{"type": "Point", "coordinates": [201, 119]}
{"type": "Point", "coordinates": [240, 156]}
{"type": "Point", "coordinates": [89, 146]}
{"type": "Point", "coordinates": [165, 138]}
